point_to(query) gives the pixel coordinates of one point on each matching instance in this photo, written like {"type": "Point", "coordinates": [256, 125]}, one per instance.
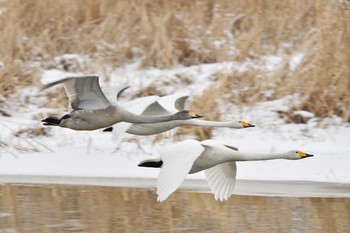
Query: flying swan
{"type": "Point", "coordinates": [91, 110]}
{"type": "Point", "coordinates": [217, 160]}
{"type": "Point", "coordinates": [165, 105]}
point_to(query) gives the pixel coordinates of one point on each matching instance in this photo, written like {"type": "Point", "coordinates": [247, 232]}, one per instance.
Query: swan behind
{"type": "Point", "coordinates": [158, 106]}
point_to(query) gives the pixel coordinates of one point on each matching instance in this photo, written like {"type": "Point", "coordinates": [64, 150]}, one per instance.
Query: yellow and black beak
{"type": "Point", "coordinates": [246, 125]}
{"type": "Point", "coordinates": [304, 155]}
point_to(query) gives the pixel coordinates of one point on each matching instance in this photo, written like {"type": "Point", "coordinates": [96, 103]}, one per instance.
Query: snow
{"type": "Point", "coordinates": [272, 62]}
{"type": "Point", "coordinates": [295, 61]}
{"type": "Point", "coordinates": [305, 113]}
{"type": "Point", "coordinates": [93, 154]}
{"type": "Point", "coordinates": [65, 152]}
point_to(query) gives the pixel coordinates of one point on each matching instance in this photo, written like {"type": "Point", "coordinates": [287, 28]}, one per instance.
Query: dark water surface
{"type": "Point", "coordinates": [79, 208]}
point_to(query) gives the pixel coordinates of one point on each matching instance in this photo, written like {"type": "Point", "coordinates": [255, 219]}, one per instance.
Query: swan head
{"type": "Point", "coordinates": [238, 124]}
{"type": "Point", "coordinates": [297, 154]}
{"type": "Point", "coordinates": [186, 115]}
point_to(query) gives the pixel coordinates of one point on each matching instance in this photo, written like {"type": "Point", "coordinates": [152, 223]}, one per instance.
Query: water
{"type": "Point", "coordinates": [79, 208]}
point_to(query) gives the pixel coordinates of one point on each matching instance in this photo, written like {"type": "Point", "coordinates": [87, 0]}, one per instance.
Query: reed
{"type": "Point", "coordinates": [167, 33]}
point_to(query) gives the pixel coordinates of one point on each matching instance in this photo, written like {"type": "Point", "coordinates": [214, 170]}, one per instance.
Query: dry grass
{"type": "Point", "coordinates": [166, 33]}
{"type": "Point", "coordinates": [16, 75]}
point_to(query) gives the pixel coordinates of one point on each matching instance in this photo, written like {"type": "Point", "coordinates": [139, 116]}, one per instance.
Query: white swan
{"type": "Point", "coordinates": [217, 160]}
{"type": "Point", "coordinates": [158, 106]}
{"type": "Point", "coordinates": [91, 110]}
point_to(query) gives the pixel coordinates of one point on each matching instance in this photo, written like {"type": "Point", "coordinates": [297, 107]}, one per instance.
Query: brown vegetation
{"type": "Point", "coordinates": [73, 208]}
{"type": "Point", "coordinates": [166, 33]}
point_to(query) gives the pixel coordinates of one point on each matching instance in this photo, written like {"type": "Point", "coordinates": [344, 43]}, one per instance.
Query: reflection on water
{"type": "Point", "coordinates": [65, 208]}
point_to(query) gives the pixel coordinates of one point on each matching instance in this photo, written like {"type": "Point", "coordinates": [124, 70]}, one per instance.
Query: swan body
{"type": "Point", "coordinates": [91, 110]}
{"type": "Point", "coordinates": [217, 160]}
{"type": "Point", "coordinates": [158, 106]}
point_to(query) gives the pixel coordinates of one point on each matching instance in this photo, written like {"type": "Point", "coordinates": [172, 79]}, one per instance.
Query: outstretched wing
{"type": "Point", "coordinates": [119, 131]}
{"type": "Point", "coordinates": [155, 109]}
{"type": "Point", "coordinates": [173, 103]}
{"type": "Point", "coordinates": [84, 92]}
{"type": "Point", "coordinates": [138, 106]}
{"type": "Point", "coordinates": [232, 147]}
{"type": "Point", "coordinates": [221, 179]}
{"type": "Point", "coordinates": [166, 105]}
{"type": "Point", "coordinates": [177, 163]}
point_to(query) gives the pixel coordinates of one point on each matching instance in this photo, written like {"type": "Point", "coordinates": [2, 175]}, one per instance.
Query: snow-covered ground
{"type": "Point", "coordinates": [93, 154]}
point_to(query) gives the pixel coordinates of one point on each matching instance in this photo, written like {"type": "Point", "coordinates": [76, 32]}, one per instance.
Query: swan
{"type": "Point", "coordinates": [91, 110]}
{"type": "Point", "coordinates": [157, 106]}
{"type": "Point", "coordinates": [216, 159]}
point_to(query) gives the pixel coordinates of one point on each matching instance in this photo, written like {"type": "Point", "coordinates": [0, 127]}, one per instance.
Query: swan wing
{"type": "Point", "coordinates": [221, 179]}
{"type": "Point", "coordinates": [84, 92]}
{"type": "Point", "coordinates": [180, 102]}
{"type": "Point", "coordinates": [114, 92]}
{"type": "Point", "coordinates": [119, 131]}
{"type": "Point", "coordinates": [139, 105]}
{"type": "Point", "coordinates": [136, 106]}
{"type": "Point", "coordinates": [155, 109]}
{"type": "Point", "coordinates": [177, 163]}
{"type": "Point", "coordinates": [173, 103]}
{"type": "Point", "coordinates": [120, 90]}
{"type": "Point", "coordinates": [232, 147]}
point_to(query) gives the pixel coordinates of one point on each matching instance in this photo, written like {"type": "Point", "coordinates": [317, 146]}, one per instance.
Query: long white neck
{"type": "Point", "coordinates": [205, 123]}
{"type": "Point", "coordinates": [239, 156]}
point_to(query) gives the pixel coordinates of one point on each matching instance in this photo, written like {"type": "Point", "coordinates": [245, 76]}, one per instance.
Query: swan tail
{"type": "Point", "coordinates": [54, 120]}
{"type": "Point", "coordinates": [151, 163]}
{"type": "Point", "coordinates": [51, 121]}
{"type": "Point", "coordinates": [109, 129]}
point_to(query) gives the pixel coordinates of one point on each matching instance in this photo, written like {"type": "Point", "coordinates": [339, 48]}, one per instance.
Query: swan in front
{"type": "Point", "coordinates": [91, 110]}
{"type": "Point", "coordinates": [158, 106]}
{"type": "Point", "coordinates": [216, 159]}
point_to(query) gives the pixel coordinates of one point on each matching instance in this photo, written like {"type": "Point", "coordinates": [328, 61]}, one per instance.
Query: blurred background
{"type": "Point", "coordinates": [307, 44]}
{"type": "Point", "coordinates": [282, 65]}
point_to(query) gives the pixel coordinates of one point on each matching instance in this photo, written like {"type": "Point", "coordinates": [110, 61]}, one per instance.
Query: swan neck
{"type": "Point", "coordinates": [257, 156]}
{"type": "Point", "coordinates": [205, 123]}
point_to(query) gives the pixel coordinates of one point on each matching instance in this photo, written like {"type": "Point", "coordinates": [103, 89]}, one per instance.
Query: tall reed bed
{"type": "Point", "coordinates": [168, 33]}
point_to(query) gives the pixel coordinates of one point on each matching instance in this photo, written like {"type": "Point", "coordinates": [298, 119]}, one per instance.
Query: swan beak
{"type": "Point", "coordinates": [246, 125]}
{"type": "Point", "coordinates": [193, 115]}
{"type": "Point", "coordinates": [304, 155]}
{"type": "Point", "coordinates": [308, 155]}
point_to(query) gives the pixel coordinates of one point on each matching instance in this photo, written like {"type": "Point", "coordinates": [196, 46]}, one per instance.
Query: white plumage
{"type": "Point", "coordinates": [91, 109]}
{"type": "Point", "coordinates": [217, 160]}
{"type": "Point", "coordinates": [159, 106]}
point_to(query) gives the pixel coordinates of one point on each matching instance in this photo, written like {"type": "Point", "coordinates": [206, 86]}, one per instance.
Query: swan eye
{"type": "Point", "coordinates": [239, 121]}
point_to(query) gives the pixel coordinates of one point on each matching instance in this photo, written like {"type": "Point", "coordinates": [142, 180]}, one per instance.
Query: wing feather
{"type": "Point", "coordinates": [155, 109]}
{"type": "Point", "coordinates": [139, 105]}
{"type": "Point", "coordinates": [177, 163]}
{"type": "Point", "coordinates": [173, 103]}
{"type": "Point", "coordinates": [221, 179]}
{"type": "Point", "coordinates": [84, 92]}
{"type": "Point", "coordinates": [136, 106]}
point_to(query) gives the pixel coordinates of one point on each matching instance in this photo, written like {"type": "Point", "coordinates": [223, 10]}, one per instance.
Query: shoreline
{"type": "Point", "coordinates": [281, 188]}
